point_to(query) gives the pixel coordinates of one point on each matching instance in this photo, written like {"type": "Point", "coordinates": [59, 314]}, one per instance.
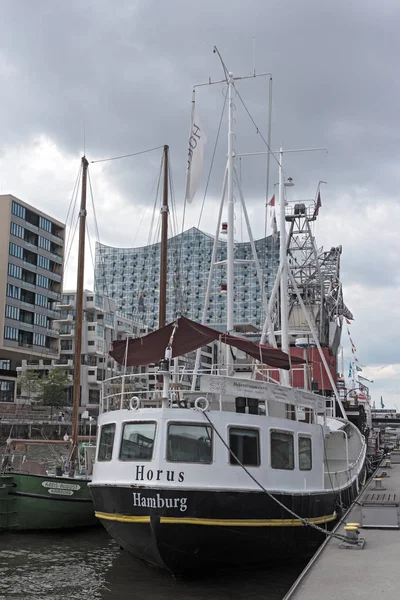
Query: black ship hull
{"type": "Point", "coordinates": [187, 532]}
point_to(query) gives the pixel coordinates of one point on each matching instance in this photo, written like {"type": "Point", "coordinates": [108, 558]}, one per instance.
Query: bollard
{"type": "Point", "coordinates": [352, 532]}
{"type": "Point", "coordinates": [378, 483]}
{"type": "Point", "coordinates": [352, 541]}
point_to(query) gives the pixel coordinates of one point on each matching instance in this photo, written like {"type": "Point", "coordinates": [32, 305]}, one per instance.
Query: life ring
{"type": "Point", "coordinates": [201, 404]}
{"type": "Point", "coordinates": [134, 403]}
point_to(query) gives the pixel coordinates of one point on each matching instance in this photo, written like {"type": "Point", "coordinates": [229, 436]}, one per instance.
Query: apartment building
{"type": "Point", "coordinates": [101, 325]}
{"type": "Point", "coordinates": [31, 273]}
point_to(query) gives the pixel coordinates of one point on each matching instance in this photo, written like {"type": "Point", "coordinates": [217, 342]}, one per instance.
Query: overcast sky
{"type": "Point", "coordinates": [124, 71]}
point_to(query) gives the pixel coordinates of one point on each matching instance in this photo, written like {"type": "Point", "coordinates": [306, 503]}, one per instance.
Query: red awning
{"type": "Point", "coordinates": [189, 336]}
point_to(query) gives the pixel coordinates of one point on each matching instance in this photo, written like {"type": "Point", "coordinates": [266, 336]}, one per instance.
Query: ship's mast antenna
{"type": "Point", "coordinates": [164, 245]}
{"type": "Point", "coordinates": [228, 187]}
{"type": "Point", "coordinates": [79, 310]}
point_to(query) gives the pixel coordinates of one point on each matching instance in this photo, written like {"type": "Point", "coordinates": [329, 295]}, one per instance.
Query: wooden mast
{"type": "Point", "coordinates": [164, 244]}
{"type": "Point", "coordinates": [79, 311]}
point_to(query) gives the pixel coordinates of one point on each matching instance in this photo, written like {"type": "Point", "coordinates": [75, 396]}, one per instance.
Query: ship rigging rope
{"type": "Point", "coordinates": [126, 155]}
{"type": "Point", "coordinates": [256, 126]}
{"type": "Point", "coordinates": [303, 520]}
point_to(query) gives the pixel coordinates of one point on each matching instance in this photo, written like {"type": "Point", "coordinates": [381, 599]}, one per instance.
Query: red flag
{"type": "Point", "coordinates": [318, 205]}
{"type": "Point", "coordinates": [272, 201]}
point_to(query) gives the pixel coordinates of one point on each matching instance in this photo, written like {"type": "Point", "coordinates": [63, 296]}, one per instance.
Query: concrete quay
{"type": "Point", "coordinates": [371, 572]}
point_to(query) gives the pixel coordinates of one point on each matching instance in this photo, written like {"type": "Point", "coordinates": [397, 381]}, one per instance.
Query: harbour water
{"type": "Point", "coordinates": [88, 565]}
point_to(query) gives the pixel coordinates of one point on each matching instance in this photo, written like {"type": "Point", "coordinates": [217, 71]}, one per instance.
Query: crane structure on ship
{"type": "Point", "coordinates": [317, 275]}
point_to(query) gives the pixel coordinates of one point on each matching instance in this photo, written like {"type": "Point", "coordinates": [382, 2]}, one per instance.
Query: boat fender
{"type": "Point", "coordinates": [134, 403]}
{"type": "Point", "coordinates": [201, 403]}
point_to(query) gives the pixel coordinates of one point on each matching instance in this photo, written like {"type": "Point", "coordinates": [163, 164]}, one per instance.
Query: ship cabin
{"type": "Point", "coordinates": [221, 434]}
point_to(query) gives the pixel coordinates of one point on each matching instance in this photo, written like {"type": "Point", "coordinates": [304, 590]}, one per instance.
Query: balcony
{"type": "Point", "coordinates": [30, 226]}
{"type": "Point", "coordinates": [27, 304]}
{"type": "Point", "coordinates": [30, 265]}
{"type": "Point", "coordinates": [54, 295]}
{"type": "Point", "coordinates": [67, 334]}
{"type": "Point", "coordinates": [52, 350]}
{"type": "Point", "coordinates": [93, 350]}
{"type": "Point", "coordinates": [53, 332]}
{"type": "Point", "coordinates": [92, 377]}
{"type": "Point", "coordinates": [26, 325]}
{"type": "Point", "coordinates": [56, 257]}
{"type": "Point", "coordinates": [65, 305]}
{"type": "Point", "coordinates": [67, 319]}
{"type": "Point", "coordinates": [53, 275]}
{"type": "Point", "coordinates": [57, 240]}
{"type": "Point", "coordinates": [64, 363]}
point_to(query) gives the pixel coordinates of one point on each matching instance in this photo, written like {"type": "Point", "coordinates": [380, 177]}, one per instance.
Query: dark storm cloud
{"type": "Point", "coordinates": [126, 70]}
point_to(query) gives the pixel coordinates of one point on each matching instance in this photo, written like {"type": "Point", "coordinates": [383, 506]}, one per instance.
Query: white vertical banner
{"type": "Point", "coordinates": [197, 141]}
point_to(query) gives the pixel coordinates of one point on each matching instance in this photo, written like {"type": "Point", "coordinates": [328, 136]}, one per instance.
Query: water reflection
{"type": "Point", "coordinates": [88, 565]}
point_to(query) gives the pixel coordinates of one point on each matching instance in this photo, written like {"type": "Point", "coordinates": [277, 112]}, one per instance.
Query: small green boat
{"type": "Point", "coordinates": [31, 498]}
{"type": "Point", "coordinates": [29, 502]}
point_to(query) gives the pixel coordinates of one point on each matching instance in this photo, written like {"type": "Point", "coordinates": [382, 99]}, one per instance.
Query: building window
{"type": "Point", "coordinates": [14, 271]}
{"type": "Point", "coordinates": [10, 333]}
{"type": "Point", "coordinates": [92, 328]}
{"type": "Point", "coordinates": [282, 453]}
{"type": "Point", "coordinates": [39, 339]}
{"type": "Point", "coordinates": [137, 441]}
{"type": "Point", "coordinates": [13, 291]}
{"type": "Point", "coordinates": [245, 445]}
{"type": "Point", "coordinates": [189, 443]}
{"type": "Point", "coordinates": [44, 243]}
{"type": "Point", "coordinates": [40, 320]}
{"type": "Point", "coordinates": [66, 344]}
{"type": "Point", "coordinates": [106, 443]}
{"type": "Point", "coordinates": [89, 298]}
{"type": "Point", "coordinates": [7, 391]}
{"type": "Point", "coordinates": [41, 300]}
{"type": "Point", "coordinates": [94, 397]}
{"type": "Point", "coordinates": [305, 453]}
{"type": "Point", "coordinates": [43, 262]}
{"type": "Point", "coordinates": [18, 210]}
{"type": "Point", "coordinates": [17, 230]}
{"type": "Point", "coordinates": [91, 343]}
{"type": "Point", "coordinates": [45, 224]}
{"type": "Point", "coordinates": [12, 312]}
{"type": "Point", "coordinates": [42, 281]}
{"type": "Point", "coordinates": [16, 250]}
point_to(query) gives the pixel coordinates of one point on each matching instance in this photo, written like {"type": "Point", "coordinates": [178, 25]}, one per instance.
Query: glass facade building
{"type": "Point", "coordinates": [131, 277]}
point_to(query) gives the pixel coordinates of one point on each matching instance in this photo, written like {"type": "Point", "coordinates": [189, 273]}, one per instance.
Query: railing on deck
{"type": "Point", "coordinates": [185, 386]}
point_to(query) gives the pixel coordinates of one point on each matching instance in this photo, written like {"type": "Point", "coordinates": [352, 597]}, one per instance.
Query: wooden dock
{"type": "Point", "coordinates": [374, 570]}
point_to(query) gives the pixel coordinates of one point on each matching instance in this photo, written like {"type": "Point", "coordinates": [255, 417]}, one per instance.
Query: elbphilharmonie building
{"type": "Point", "coordinates": [131, 277]}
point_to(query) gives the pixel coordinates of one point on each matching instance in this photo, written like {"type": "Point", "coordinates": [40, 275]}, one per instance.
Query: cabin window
{"type": "Point", "coordinates": [138, 441]}
{"type": "Point", "coordinates": [189, 443]}
{"type": "Point", "coordinates": [305, 453]}
{"type": "Point", "coordinates": [245, 445]}
{"type": "Point", "coordinates": [282, 450]}
{"type": "Point", "coordinates": [106, 443]}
